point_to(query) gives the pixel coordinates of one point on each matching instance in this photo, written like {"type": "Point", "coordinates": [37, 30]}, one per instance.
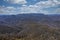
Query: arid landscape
{"type": "Point", "coordinates": [30, 27]}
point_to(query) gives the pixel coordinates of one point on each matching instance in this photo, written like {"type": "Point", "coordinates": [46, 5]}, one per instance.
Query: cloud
{"type": "Point", "coordinates": [17, 1]}
{"type": "Point", "coordinates": [32, 9]}
{"type": "Point", "coordinates": [49, 3]}
{"type": "Point", "coordinates": [57, 11]}
{"type": "Point", "coordinates": [7, 10]}
{"type": "Point", "coordinates": [39, 7]}
{"type": "Point", "coordinates": [21, 10]}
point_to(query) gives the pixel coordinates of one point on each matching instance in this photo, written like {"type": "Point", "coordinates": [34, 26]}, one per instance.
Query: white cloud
{"type": "Point", "coordinates": [17, 1]}
{"type": "Point", "coordinates": [7, 10]}
{"type": "Point", "coordinates": [24, 9]}
{"type": "Point", "coordinates": [36, 8]}
{"type": "Point", "coordinates": [49, 3]}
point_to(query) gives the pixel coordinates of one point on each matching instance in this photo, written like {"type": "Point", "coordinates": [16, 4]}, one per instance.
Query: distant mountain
{"type": "Point", "coordinates": [39, 18]}
{"type": "Point", "coordinates": [11, 19]}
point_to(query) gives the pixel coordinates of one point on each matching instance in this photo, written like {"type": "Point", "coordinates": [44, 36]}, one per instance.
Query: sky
{"type": "Point", "coordinates": [8, 7]}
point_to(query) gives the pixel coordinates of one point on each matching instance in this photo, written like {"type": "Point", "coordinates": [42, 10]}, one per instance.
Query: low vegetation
{"type": "Point", "coordinates": [33, 31]}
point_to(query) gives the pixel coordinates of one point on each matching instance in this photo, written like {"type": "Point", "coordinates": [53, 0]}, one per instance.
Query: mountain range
{"type": "Point", "coordinates": [23, 24]}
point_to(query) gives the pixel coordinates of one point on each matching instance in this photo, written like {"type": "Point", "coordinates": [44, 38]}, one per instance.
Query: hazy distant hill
{"type": "Point", "coordinates": [15, 19]}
